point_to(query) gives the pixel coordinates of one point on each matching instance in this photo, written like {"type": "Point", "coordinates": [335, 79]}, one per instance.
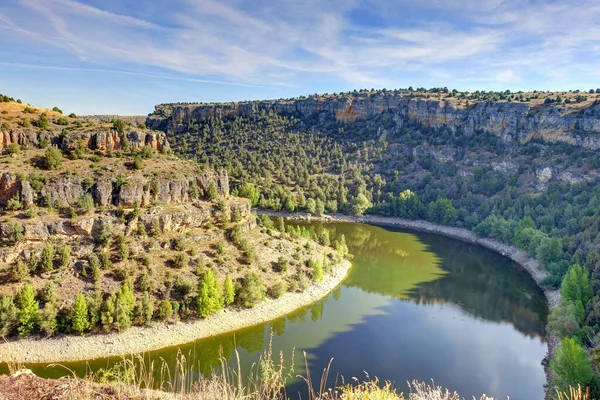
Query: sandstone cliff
{"type": "Point", "coordinates": [512, 121]}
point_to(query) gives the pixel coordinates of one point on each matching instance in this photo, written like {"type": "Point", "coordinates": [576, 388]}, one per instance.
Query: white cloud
{"type": "Point", "coordinates": [495, 41]}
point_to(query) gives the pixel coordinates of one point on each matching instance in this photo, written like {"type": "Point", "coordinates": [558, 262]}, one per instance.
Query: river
{"type": "Point", "coordinates": [414, 306]}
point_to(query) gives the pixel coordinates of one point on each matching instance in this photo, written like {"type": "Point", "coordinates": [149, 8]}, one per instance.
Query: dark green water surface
{"type": "Point", "coordinates": [414, 306]}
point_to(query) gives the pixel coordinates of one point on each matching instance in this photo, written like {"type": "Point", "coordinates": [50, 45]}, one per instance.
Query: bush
{"type": "Point", "coordinates": [13, 148]}
{"type": "Point", "coordinates": [165, 310]}
{"type": "Point", "coordinates": [180, 261]}
{"type": "Point", "coordinates": [20, 271]}
{"type": "Point", "coordinates": [278, 289]}
{"type": "Point", "coordinates": [58, 110]}
{"type": "Point", "coordinates": [14, 204]}
{"type": "Point", "coordinates": [317, 270]}
{"type": "Point", "coordinates": [15, 232]}
{"type": "Point", "coordinates": [251, 291]}
{"type": "Point", "coordinates": [52, 158]}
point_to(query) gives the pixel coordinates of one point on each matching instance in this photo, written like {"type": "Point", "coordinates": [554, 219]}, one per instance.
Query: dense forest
{"type": "Point", "coordinates": [539, 196]}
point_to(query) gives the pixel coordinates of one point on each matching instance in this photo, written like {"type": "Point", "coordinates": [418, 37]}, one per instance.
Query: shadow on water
{"type": "Point", "coordinates": [414, 306]}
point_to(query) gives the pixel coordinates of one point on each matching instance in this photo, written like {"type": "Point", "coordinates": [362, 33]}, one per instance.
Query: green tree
{"type": "Point", "coordinates": [252, 290]}
{"type": "Point", "coordinates": [317, 270]}
{"type": "Point", "coordinates": [124, 305]}
{"type": "Point", "coordinates": [228, 291]}
{"type": "Point", "coordinates": [8, 316]}
{"type": "Point", "coordinates": [47, 258]}
{"type": "Point", "coordinates": [576, 286]}
{"type": "Point", "coordinates": [564, 320]}
{"type": "Point", "coordinates": [572, 366]}
{"type": "Point", "coordinates": [29, 312]}
{"type": "Point", "coordinates": [210, 295]}
{"type": "Point", "coordinates": [311, 206]}
{"type": "Point", "coordinates": [442, 211]}
{"type": "Point", "coordinates": [79, 318]}
{"type": "Point", "coordinates": [52, 158]}
{"type": "Point", "coordinates": [359, 205]}
{"type": "Point", "coordinates": [212, 192]}
{"type": "Point", "coordinates": [64, 256]}
{"type": "Point", "coordinates": [48, 322]}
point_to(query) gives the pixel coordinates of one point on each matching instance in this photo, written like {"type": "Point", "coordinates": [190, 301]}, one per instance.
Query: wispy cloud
{"type": "Point", "coordinates": [291, 42]}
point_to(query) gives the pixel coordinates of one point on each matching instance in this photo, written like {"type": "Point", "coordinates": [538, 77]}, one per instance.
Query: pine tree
{"type": "Point", "coordinates": [29, 313]}
{"type": "Point", "coordinates": [212, 191]}
{"type": "Point", "coordinates": [124, 305]}
{"type": "Point", "coordinates": [8, 316]}
{"type": "Point", "coordinates": [80, 321]}
{"type": "Point", "coordinates": [210, 295]}
{"type": "Point", "coordinates": [317, 270]}
{"type": "Point", "coordinates": [47, 258]}
{"type": "Point", "coordinates": [48, 323]}
{"type": "Point", "coordinates": [571, 365]}
{"type": "Point", "coordinates": [229, 291]}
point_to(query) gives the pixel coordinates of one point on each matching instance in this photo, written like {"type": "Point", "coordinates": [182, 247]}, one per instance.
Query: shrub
{"type": "Point", "coordinates": [58, 110]}
{"type": "Point", "coordinates": [13, 148]}
{"type": "Point", "coordinates": [180, 261]}
{"type": "Point", "coordinates": [15, 232]}
{"type": "Point", "coordinates": [165, 310]}
{"type": "Point", "coordinates": [86, 204]}
{"type": "Point", "coordinates": [14, 204]}
{"type": "Point", "coordinates": [79, 317]}
{"type": "Point", "coordinates": [212, 192]}
{"type": "Point", "coordinates": [251, 290]}
{"type": "Point", "coordinates": [144, 310]}
{"type": "Point", "coordinates": [20, 271]}
{"type": "Point", "coordinates": [52, 158]}
{"type": "Point", "coordinates": [278, 289]}
{"type": "Point", "coordinates": [182, 286]}
{"type": "Point", "coordinates": [281, 265]}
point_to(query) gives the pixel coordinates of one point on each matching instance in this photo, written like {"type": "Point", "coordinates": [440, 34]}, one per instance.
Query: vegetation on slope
{"type": "Point", "coordinates": [542, 197]}
{"type": "Point", "coordinates": [100, 236]}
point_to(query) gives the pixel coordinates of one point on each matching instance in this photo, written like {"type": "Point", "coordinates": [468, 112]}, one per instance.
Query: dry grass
{"type": "Point", "coordinates": [575, 394]}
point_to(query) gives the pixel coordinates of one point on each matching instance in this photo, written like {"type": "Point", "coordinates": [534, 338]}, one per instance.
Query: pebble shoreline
{"type": "Point", "coordinates": [137, 340]}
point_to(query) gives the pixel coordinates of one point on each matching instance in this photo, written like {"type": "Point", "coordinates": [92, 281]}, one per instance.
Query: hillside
{"type": "Point", "coordinates": [102, 227]}
{"type": "Point", "coordinates": [520, 168]}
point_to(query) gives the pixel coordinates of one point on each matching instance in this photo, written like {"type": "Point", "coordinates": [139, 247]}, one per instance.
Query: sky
{"type": "Point", "coordinates": [124, 56]}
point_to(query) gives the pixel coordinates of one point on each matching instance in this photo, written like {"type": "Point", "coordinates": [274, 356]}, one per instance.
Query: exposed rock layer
{"type": "Point", "coordinates": [511, 121]}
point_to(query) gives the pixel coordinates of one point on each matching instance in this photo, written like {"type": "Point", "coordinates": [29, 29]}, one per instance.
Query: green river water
{"type": "Point", "coordinates": [414, 306]}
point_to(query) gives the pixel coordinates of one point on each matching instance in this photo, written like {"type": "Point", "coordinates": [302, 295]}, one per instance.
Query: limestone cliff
{"type": "Point", "coordinates": [512, 121]}
{"type": "Point", "coordinates": [135, 188]}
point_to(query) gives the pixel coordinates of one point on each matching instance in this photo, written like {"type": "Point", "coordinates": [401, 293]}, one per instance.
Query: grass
{"type": "Point", "coordinates": [132, 378]}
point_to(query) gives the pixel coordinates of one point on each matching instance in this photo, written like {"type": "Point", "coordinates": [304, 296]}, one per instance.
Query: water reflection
{"type": "Point", "coordinates": [413, 306]}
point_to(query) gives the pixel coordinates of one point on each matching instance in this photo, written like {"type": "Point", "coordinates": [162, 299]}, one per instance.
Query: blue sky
{"type": "Point", "coordinates": [123, 57]}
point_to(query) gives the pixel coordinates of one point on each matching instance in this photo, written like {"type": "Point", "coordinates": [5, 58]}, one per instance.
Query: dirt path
{"type": "Point", "coordinates": [138, 340]}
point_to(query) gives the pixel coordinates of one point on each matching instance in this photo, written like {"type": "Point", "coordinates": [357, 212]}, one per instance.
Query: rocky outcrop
{"type": "Point", "coordinates": [111, 140]}
{"type": "Point", "coordinates": [513, 122]}
{"type": "Point", "coordinates": [101, 139]}
{"type": "Point", "coordinates": [180, 218]}
{"type": "Point", "coordinates": [137, 188]}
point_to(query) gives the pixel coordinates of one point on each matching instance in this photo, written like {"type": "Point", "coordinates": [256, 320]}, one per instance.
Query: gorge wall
{"type": "Point", "coordinates": [512, 121]}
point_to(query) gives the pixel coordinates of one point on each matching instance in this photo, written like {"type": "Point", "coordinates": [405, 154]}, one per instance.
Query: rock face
{"type": "Point", "coordinates": [137, 188]}
{"type": "Point", "coordinates": [511, 121]}
{"type": "Point", "coordinates": [102, 139]}
{"type": "Point", "coordinates": [178, 219]}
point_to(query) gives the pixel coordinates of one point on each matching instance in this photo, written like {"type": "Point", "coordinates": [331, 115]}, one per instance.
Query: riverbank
{"type": "Point", "coordinates": [513, 253]}
{"type": "Point", "coordinates": [137, 340]}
